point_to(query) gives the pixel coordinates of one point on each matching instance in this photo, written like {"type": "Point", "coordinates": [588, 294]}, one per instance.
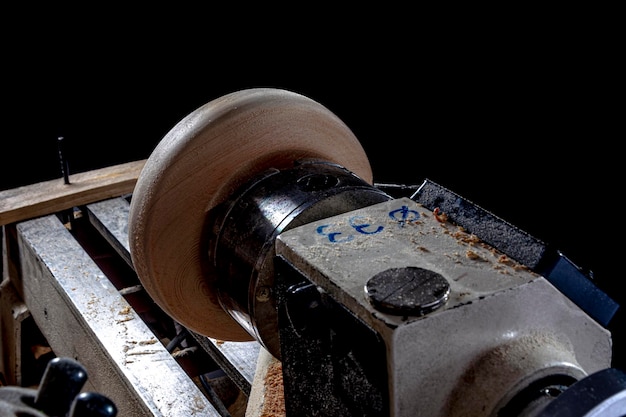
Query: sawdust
{"type": "Point", "coordinates": [274, 403]}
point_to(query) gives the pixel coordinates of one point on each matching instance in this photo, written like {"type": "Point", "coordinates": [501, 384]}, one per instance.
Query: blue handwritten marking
{"type": "Point", "coordinates": [361, 227]}
{"type": "Point", "coordinates": [401, 215]}
{"type": "Point", "coordinates": [332, 236]}
{"type": "Point", "coordinates": [404, 214]}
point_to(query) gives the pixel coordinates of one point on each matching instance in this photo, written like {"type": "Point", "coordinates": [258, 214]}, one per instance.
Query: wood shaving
{"type": "Point", "coordinates": [274, 403]}
{"type": "Point", "coordinates": [440, 216]}
{"type": "Point", "coordinates": [470, 254]}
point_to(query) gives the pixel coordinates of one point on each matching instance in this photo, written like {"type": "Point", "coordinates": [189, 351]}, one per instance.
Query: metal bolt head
{"type": "Point", "coordinates": [407, 291]}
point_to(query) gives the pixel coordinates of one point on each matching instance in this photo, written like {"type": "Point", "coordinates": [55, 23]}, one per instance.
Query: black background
{"type": "Point", "coordinates": [519, 114]}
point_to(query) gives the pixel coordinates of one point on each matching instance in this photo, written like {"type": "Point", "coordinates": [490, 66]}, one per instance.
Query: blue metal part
{"type": "Point", "coordinates": [572, 282]}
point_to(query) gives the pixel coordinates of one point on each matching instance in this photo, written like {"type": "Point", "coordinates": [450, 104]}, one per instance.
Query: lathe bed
{"type": "Point", "coordinates": [75, 280]}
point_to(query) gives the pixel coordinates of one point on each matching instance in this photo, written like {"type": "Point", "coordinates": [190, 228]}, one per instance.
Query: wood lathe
{"type": "Point", "coordinates": [255, 269]}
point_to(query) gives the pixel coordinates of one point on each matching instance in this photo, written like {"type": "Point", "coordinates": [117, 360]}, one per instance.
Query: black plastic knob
{"type": "Point", "coordinates": [92, 404]}
{"type": "Point", "coordinates": [60, 384]}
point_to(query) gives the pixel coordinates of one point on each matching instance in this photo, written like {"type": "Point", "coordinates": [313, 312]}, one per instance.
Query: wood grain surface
{"type": "Point", "coordinates": [52, 196]}
{"type": "Point", "coordinates": [196, 166]}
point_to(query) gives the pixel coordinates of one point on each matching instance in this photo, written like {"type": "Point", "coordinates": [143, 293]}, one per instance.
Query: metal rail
{"type": "Point", "coordinates": [86, 314]}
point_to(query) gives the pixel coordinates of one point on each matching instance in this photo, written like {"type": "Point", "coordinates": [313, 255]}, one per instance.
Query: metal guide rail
{"type": "Point", "coordinates": [72, 274]}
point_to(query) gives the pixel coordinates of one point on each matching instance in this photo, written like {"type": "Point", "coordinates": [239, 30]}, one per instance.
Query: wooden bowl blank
{"type": "Point", "coordinates": [196, 166]}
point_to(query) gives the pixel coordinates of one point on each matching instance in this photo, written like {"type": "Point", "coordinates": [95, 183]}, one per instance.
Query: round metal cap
{"type": "Point", "coordinates": [409, 290]}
